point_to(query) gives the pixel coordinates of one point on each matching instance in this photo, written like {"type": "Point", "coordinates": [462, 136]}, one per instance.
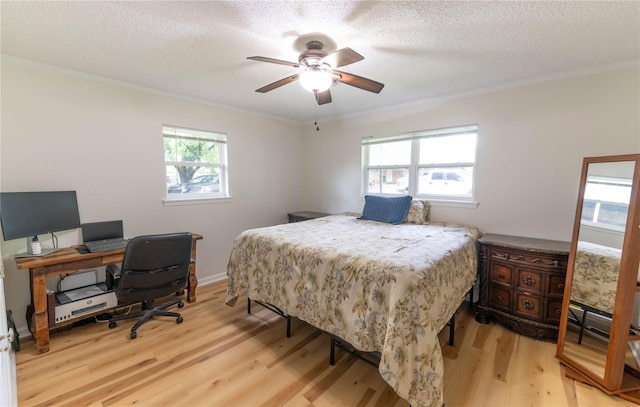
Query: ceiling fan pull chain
{"type": "Point", "coordinates": [316, 122]}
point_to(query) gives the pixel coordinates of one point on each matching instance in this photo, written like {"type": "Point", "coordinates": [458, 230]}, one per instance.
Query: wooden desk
{"type": "Point", "coordinates": [66, 261]}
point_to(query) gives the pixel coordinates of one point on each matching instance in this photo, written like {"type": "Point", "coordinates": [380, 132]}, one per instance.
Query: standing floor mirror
{"type": "Point", "coordinates": [599, 332]}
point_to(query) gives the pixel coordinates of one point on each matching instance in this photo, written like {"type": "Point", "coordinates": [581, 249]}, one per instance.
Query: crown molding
{"type": "Point", "coordinates": [138, 88]}
{"type": "Point", "coordinates": [390, 111]}
{"type": "Point", "coordinates": [421, 104]}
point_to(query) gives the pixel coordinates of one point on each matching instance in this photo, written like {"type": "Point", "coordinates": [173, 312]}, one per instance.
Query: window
{"type": "Point", "coordinates": [606, 202]}
{"type": "Point", "coordinates": [435, 164]}
{"type": "Point", "coordinates": [196, 163]}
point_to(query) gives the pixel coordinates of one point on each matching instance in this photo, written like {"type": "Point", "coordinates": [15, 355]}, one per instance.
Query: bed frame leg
{"type": "Point", "coordinates": [332, 352]}
{"type": "Point", "coordinates": [274, 309]}
{"type": "Point", "coordinates": [452, 329]}
{"type": "Point", "coordinates": [584, 321]}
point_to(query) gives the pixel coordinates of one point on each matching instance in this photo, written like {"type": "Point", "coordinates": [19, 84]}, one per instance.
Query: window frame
{"type": "Point", "coordinates": [207, 136]}
{"type": "Point", "coordinates": [415, 167]}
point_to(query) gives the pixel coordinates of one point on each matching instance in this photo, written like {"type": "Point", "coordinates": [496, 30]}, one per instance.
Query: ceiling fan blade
{"type": "Point", "coordinates": [277, 84]}
{"type": "Point", "coordinates": [358, 81]}
{"type": "Point", "coordinates": [274, 61]}
{"type": "Point", "coordinates": [323, 97]}
{"type": "Point", "coordinates": [342, 57]}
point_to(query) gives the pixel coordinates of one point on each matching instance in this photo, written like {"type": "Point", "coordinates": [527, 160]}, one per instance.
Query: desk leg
{"type": "Point", "coordinates": [193, 280]}
{"type": "Point", "coordinates": [41, 312]}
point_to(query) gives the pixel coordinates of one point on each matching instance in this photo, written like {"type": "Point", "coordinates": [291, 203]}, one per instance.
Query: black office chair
{"type": "Point", "coordinates": [153, 266]}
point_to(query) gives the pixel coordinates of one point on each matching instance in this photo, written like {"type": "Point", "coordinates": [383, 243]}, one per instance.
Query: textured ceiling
{"type": "Point", "coordinates": [418, 49]}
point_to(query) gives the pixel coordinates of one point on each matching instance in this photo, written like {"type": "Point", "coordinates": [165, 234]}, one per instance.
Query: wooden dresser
{"type": "Point", "coordinates": [522, 283]}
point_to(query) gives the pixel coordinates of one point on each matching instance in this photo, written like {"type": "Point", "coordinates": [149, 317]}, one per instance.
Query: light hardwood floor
{"type": "Point", "coordinates": [221, 356]}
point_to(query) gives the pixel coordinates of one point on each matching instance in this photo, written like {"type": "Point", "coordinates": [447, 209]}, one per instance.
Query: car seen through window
{"type": "Point", "coordinates": [201, 184]}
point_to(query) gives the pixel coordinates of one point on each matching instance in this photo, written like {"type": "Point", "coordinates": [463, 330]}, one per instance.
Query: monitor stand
{"type": "Point", "coordinates": [43, 252]}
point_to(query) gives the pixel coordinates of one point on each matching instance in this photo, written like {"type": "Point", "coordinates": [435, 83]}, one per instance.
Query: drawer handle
{"type": "Point", "coordinates": [528, 305]}
{"type": "Point", "coordinates": [499, 297]}
{"type": "Point", "coordinates": [561, 286]}
{"type": "Point", "coordinates": [558, 311]}
{"type": "Point", "coordinates": [501, 274]}
{"type": "Point", "coordinates": [529, 280]}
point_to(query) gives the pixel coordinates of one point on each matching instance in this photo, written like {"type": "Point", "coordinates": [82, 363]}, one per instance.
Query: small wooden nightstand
{"type": "Point", "coordinates": [305, 215]}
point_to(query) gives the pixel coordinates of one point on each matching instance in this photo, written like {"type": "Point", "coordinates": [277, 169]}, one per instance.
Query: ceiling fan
{"type": "Point", "coordinates": [319, 73]}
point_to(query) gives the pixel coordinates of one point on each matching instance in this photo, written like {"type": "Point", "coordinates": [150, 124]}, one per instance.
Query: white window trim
{"type": "Point", "coordinates": [195, 201]}
{"type": "Point", "coordinates": [415, 137]}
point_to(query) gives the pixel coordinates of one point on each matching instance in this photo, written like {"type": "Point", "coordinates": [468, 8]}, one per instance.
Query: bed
{"type": "Point", "coordinates": [381, 287]}
{"type": "Point", "coordinates": [595, 277]}
{"type": "Point", "coordinates": [595, 280]}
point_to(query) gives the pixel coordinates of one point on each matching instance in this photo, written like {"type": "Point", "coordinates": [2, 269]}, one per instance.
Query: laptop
{"type": "Point", "coordinates": [103, 236]}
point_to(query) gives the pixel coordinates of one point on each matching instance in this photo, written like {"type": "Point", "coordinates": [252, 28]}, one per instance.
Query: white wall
{"type": "Point", "coordinates": [56, 126]}
{"type": "Point", "coordinates": [531, 143]}
{"type": "Point", "coordinates": [62, 131]}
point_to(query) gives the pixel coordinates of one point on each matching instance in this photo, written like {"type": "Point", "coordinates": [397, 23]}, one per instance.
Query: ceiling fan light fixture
{"type": "Point", "coordinates": [315, 79]}
{"type": "Point", "coordinates": [318, 70]}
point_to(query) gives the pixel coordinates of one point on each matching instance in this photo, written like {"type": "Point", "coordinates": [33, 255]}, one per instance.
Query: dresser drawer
{"type": "Point", "coordinates": [525, 258]}
{"type": "Point", "coordinates": [529, 306]}
{"type": "Point", "coordinates": [555, 286]}
{"type": "Point", "coordinates": [500, 297]}
{"type": "Point", "coordinates": [554, 308]}
{"type": "Point", "coordinates": [530, 281]}
{"type": "Point", "coordinates": [501, 273]}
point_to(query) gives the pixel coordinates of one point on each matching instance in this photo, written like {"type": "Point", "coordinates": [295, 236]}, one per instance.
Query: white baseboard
{"type": "Point", "coordinates": [212, 279]}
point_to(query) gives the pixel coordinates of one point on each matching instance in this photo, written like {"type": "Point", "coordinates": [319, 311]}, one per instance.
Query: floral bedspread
{"type": "Point", "coordinates": [380, 287]}
{"type": "Point", "coordinates": [595, 277]}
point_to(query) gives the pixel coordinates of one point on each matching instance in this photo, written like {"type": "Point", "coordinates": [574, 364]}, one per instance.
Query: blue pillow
{"type": "Point", "coordinates": [386, 209]}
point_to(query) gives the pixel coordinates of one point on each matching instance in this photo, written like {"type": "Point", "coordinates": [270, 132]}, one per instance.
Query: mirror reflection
{"type": "Point", "coordinates": [603, 219]}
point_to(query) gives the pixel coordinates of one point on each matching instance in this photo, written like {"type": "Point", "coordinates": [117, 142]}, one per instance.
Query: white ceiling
{"type": "Point", "coordinates": [418, 49]}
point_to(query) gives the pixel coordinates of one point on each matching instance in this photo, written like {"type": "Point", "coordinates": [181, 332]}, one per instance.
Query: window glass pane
{"type": "Point", "coordinates": [459, 148]}
{"type": "Point", "coordinates": [614, 214]}
{"type": "Point", "coordinates": [606, 202]}
{"type": "Point", "coordinates": [387, 180]}
{"type": "Point", "coordinates": [446, 181]}
{"type": "Point", "coordinates": [205, 181]}
{"type": "Point", "coordinates": [392, 153]}
{"type": "Point", "coordinates": [170, 150]}
{"type": "Point", "coordinates": [588, 210]}
{"type": "Point", "coordinates": [373, 181]}
{"type": "Point", "coordinates": [197, 151]}
{"type": "Point", "coordinates": [172, 175]}
{"type": "Point", "coordinates": [401, 182]}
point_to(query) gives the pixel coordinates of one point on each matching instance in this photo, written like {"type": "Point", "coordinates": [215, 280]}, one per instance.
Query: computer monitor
{"type": "Point", "coordinates": [28, 214]}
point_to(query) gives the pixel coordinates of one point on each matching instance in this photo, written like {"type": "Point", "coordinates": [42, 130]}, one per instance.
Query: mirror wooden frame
{"type": "Point", "coordinates": [617, 379]}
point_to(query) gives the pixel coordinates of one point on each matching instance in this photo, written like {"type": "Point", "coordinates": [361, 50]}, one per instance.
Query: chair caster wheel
{"type": "Point", "coordinates": [181, 304]}
{"type": "Point", "coordinates": [133, 335]}
{"type": "Point", "coordinates": [112, 324]}
{"type": "Point", "coordinates": [179, 320]}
